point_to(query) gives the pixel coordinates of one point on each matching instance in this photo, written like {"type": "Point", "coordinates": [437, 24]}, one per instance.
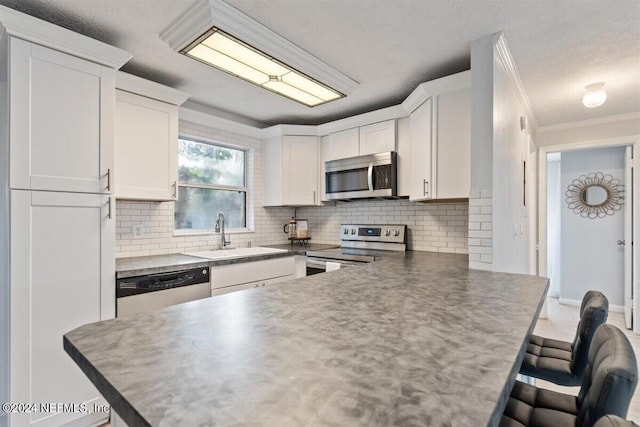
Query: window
{"type": "Point", "coordinates": [211, 178]}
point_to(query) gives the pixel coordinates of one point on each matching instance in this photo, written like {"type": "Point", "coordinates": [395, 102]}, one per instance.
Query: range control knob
{"type": "Point", "coordinates": [345, 231]}
{"type": "Point", "coordinates": [387, 232]}
{"type": "Point", "coordinates": [396, 233]}
{"type": "Point", "coordinates": [353, 231]}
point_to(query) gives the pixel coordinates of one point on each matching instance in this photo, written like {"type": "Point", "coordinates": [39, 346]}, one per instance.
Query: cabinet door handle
{"type": "Point", "coordinates": [425, 189]}
{"type": "Point", "coordinates": [109, 211]}
{"type": "Point", "coordinates": [175, 189]}
{"type": "Point", "coordinates": [314, 197]}
{"type": "Point", "coordinates": [108, 179]}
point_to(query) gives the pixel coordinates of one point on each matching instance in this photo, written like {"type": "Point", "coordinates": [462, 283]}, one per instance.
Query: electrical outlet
{"type": "Point", "coordinates": [138, 231]}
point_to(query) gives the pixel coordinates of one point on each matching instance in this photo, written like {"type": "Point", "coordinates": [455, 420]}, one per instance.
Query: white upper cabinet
{"type": "Point", "coordinates": [453, 180]}
{"type": "Point", "coordinates": [377, 138]}
{"type": "Point", "coordinates": [341, 145]}
{"type": "Point", "coordinates": [440, 135]}
{"type": "Point", "coordinates": [61, 121]}
{"type": "Point", "coordinates": [420, 122]}
{"type": "Point", "coordinates": [146, 138]}
{"type": "Point", "coordinates": [291, 171]}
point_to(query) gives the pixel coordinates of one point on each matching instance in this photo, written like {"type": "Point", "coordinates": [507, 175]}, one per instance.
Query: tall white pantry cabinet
{"type": "Point", "coordinates": [57, 231]}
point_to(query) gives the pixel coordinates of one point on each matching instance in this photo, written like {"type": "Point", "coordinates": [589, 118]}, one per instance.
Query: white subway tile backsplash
{"type": "Point", "coordinates": [439, 227]}
{"type": "Point", "coordinates": [481, 230]}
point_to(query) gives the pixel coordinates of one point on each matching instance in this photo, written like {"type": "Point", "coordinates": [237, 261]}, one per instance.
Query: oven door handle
{"type": "Point", "coordinates": [370, 176]}
{"type": "Point", "coordinates": [322, 262]}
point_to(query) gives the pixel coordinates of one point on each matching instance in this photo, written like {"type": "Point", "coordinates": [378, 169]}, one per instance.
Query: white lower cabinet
{"type": "Point", "coordinates": [254, 274]}
{"type": "Point", "coordinates": [62, 276]}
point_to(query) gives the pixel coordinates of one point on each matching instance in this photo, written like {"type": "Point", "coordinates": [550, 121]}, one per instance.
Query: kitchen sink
{"type": "Point", "coordinates": [234, 253]}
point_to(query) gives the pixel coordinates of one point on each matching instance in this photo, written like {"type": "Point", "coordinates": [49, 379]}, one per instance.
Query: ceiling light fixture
{"type": "Point", "coordinates": [595, 95]}
{"type": "Point", "coordinates": [227, 53]}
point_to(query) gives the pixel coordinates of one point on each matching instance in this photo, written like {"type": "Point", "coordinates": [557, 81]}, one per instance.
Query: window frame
{"type": "Point", "coordinates": [246, 189]}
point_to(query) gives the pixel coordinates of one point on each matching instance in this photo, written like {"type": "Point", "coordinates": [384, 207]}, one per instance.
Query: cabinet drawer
{"type": "Point", "coordinates": [247, 272]}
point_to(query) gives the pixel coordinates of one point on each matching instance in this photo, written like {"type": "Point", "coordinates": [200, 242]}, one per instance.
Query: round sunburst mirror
{"type": "Point", "coordinates": [595, 195]}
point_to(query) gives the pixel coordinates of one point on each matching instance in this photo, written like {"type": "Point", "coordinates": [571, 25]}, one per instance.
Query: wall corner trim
{"type": "Point", "coordinates": [504, 54]}
{"type": "Point", "coordinates": [44, 33]}
{"type": "Point", "coordinates": [589, 122]}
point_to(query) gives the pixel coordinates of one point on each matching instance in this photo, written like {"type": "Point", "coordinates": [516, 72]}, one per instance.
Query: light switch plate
{"type": "Point", "coordinates": [138, 231]}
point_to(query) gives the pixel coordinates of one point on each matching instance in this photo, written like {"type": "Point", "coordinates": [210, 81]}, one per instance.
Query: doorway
{"type": "Point", "coordinates": [586, 223]}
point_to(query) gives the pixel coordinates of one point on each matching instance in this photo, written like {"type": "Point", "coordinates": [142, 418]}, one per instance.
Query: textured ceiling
{"type": "Point", "coordinates": [389, 47]}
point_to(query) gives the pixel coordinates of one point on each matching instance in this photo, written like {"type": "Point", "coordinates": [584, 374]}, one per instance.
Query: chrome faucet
{"type": "Point", "coordinates": [220, 229]}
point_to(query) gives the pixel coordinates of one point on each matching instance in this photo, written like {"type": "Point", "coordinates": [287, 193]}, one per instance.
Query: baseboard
{"type": "Point", "coordinates": [615, 308]}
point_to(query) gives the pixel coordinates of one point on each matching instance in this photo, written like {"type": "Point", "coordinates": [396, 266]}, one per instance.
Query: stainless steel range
{"type": "Point", "coordinates": [361, 243]}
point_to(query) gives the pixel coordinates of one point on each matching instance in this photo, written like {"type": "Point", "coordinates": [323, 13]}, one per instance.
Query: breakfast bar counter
{"type": "Point", "coordinates": [413, 339]}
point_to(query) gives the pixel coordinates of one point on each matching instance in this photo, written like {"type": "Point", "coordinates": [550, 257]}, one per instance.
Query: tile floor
{"type": "Point", "coordinates": [561, 324]}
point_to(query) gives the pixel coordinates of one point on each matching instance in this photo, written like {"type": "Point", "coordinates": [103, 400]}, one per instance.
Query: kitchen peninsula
{"type": "Point", "coordinates": [413, 339]}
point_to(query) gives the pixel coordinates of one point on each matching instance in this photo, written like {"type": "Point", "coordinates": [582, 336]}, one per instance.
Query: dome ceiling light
{"type": "Point", "coordinates": [595, 95]}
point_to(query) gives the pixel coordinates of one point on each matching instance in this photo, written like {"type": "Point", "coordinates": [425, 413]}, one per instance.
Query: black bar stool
{"type": "Point", "coordinates": [562, 362]}
{"type": "Point", "coordinates": [608, 385]}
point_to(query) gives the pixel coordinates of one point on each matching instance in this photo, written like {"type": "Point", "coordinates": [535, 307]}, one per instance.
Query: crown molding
{"type": "Point", "coordinates": [504, 54]}
{"type": "Point", "coordinates": [35, 30]}
{"type": "Point", "coordinates": [205, 119]}
{"type": "Point", "coordinates": [282, 130]}
{"type": "Point", "coordinates": [209, 13]}
{"type": "Point", "coordinates": [389, 113]}
{"type": "Point", "coordinates": [589, 122]}
{"type": "Point", "coordinates": [439, 86]}
{"type": "Point", "coordinates": [194, 22]}
{"type": "Point", "coordinates": [150, 89]}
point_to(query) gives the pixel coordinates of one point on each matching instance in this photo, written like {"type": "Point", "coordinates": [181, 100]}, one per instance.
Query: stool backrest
{"type": "Point", "coordinates": [593, 313]}
{"type": "Point", "coordinates": [610, 378]}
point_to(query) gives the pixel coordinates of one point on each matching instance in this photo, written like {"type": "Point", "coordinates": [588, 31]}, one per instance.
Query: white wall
{"type": "Point", "coordinates": [481, 153]}
{"type": "Point", "coordinates": [591, 258]}
{"type": "Point", "coordinates": [510, 150]}
{"type": "Point", "coordinates": [554, 224]}
{"type": "Point", "coordinates": [499, 236]}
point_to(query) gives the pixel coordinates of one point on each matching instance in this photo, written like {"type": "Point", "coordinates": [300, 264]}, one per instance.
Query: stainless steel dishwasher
{"type": "Point", "coordinates": [152, 292]}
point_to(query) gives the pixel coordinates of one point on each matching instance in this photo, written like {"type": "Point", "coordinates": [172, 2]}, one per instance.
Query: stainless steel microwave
{"type": "Point", "coordinates": [373, 175]}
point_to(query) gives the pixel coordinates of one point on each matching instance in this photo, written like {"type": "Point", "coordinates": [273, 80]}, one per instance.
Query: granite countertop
{"type": "Point", "coordinates": [300, 249]}
{"type": "Point", "coordinates": [412, 339]}
{"type": "Point", "coordinates": [143, 265]}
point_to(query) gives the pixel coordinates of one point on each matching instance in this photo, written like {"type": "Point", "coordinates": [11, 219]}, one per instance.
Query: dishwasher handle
{"type": "Point", "coordinates": [161, 281]}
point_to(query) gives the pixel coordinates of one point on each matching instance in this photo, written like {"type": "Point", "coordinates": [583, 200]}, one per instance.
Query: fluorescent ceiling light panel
{"type": "Point", "coordinates": [223, 51]}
